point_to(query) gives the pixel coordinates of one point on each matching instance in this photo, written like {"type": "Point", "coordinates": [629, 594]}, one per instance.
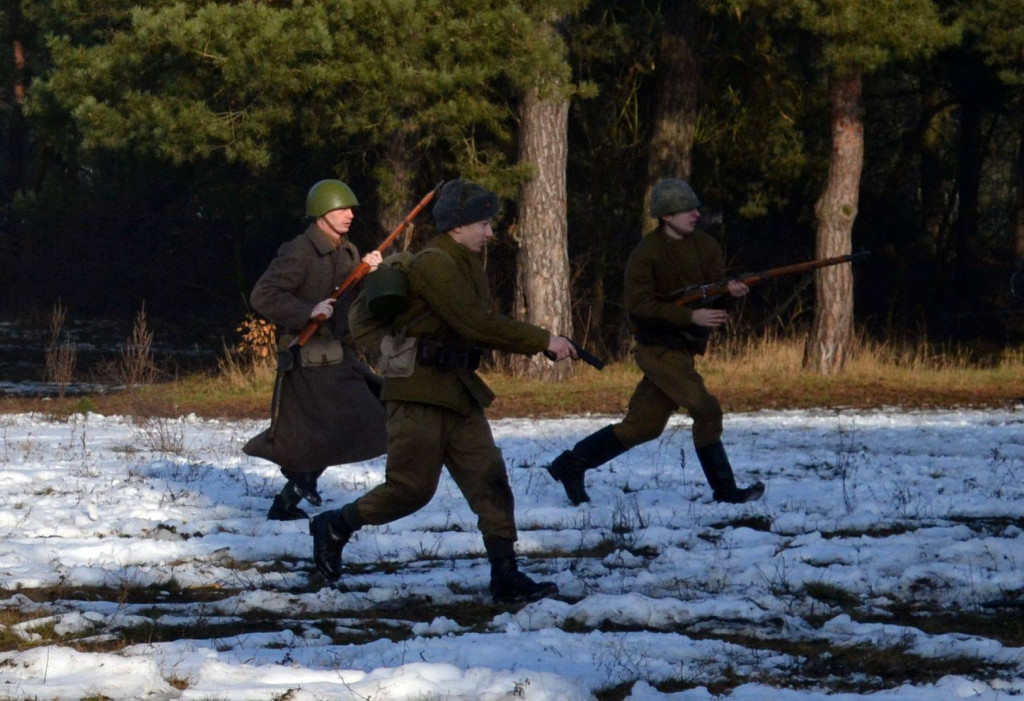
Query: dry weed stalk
{"type": "Point", "coordinates": [137, 364]}
{"type": "Point", "coordinates": [61, 356]}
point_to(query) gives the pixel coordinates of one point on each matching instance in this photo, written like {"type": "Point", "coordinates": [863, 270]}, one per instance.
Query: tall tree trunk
{"type": "Point", "coordinates": [836, 210]}
{"type": "Point", "coordinates": [965, 230]}
{"type": "Point", "coordinates": [675, 110]}
{"type": "Point", "coordinates": [397, 176]}
{"type": "Point", "coordinates": [933, 184]}
{"type": "Point", "coordinates": [19, 68]}
{"type": "Point", "coordinates": [1018, 214]}
{"type": "Point", "coordinates": [542, 282]}
{"type": "Point", "coordinates": [13, 164]}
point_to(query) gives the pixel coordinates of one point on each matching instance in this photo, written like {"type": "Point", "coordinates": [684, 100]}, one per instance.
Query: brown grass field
{"type": "Point", "coordinates": [761, 374]}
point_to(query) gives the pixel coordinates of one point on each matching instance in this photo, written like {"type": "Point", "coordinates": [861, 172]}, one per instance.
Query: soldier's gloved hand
{"type": "Point", "coordinates": [373, 259]}
{"type": "Point", "coordinates": [325, 308]}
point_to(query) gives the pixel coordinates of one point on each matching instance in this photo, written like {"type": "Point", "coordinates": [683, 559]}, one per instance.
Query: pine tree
{"type": "Point", "coordinates": [678, 75]}
{"type": "Point", "coordinates": [542, 275]}
{"type": "Point", "coordinates": [854, 39]}
{"type": "Point", "coordinates": [374, 85]}
{"type": "Point", "coordinates": [993, 29]}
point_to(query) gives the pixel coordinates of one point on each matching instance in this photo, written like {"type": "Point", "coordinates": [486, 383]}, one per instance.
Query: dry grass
{"type": "Point", "coordinates": [251, 362]}
{"type": "Point", "coordinates": [745, 375]}
{"type": "Point", "coordinates": [9, 639]}
{"type": "Point", "coordinates": [767, 372]}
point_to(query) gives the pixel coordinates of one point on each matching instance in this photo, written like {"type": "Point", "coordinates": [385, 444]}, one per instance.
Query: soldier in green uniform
{"type": "Point", "coordinates": [435, 402]}
{"type": "Point", "coordinates": [668, 336]}
{"type": "Point", "coordinates": [329, 410]}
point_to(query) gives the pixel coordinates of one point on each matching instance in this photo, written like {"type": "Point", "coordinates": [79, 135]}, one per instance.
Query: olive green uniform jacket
{"type": "Point", "coordinates": [450, 302]}
{"type": "Point", "coordinates": [667, 340]}
{"type": "Point", "coordinates": [661, 265]}
{"type": "Point", "coordinates": [436, 416]}
{"type": "Point", "coordinates": [329, 409]}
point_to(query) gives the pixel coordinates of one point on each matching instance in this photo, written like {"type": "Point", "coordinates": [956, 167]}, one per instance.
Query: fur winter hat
{"type": "Point", "coordinates": [460, 203]}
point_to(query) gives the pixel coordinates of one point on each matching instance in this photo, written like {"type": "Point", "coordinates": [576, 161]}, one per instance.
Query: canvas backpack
{"type": "Point", "coordinates": [373, 332]}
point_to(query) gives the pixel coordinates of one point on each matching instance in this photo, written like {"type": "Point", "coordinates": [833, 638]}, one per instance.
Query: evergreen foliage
{"type": "Point", "coordinates": [168, 144]}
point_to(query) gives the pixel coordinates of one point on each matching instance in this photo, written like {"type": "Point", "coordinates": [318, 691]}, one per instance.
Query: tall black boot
{"type": "Point", "coordinates": [285, 506]}
{"type": "Point", "coordinates": [593, 451]}
{"type": "Point", "coordinates": [331, 530]}
{"type": "Point", "coordinates": [719, 475]}
{"type": "Point", "coordinates": [305, 485]}
{"type": "Point", "coordinates": [508, 584]}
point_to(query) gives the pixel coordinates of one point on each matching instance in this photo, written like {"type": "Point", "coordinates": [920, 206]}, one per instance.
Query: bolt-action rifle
{"type": "Point", "coordinates": [286, 357]}
{"type": "Point", "coordinates": [705, 292]}
{"type": "Point", "coordinates": [361, 270]}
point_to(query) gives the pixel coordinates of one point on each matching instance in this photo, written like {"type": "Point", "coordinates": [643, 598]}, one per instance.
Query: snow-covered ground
{"type": "Point", "coordinates": [885, 561]}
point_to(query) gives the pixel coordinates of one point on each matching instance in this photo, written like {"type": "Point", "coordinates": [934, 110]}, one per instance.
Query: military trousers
{"type": "Point", "coordinates": [670, 381]}
{"type": "Point", "coordinates": [423, 438]}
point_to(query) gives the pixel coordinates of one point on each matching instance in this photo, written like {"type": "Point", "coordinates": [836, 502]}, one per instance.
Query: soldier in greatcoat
{"type": "Point", "coordinates": [329, 407]}
{"type": "Point", "coordinates": [668, 336]}
{"type": "Point", "coordinates": [436, 401]}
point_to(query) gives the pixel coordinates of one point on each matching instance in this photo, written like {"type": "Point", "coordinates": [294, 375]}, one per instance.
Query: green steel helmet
{"type": "Point", "coordinates": [672, 195]}
{"type": "Point", "coordinates": [327, 196]}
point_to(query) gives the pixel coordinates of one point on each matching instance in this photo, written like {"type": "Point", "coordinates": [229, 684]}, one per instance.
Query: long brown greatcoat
{"type": "Point", "coordinates": [329, 413]}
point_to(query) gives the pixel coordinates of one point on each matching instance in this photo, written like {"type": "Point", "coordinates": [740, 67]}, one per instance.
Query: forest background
{"type": "Point", "coordinates": [159, 152]}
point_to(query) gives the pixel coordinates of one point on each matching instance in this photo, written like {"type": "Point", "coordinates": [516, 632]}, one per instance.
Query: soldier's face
{"type": "Point", "coordinates": [681, 223]}
{"type": "Point", "coordinates": [338, 221]}
{"type": "Point", "coordinates": [473, 236]}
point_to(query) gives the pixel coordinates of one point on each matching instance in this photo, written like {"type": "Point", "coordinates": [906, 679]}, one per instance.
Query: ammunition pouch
{"type": "Point", "coordinates": [319, 352]}
{"type": "Point", "coordinates": [433, 353]}
{"type": "Point", "coordinates": [397, 355]}
{"type": "Point", "coordinates": [323, 348]}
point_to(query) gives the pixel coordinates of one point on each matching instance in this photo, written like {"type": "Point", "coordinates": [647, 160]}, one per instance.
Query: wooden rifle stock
{"type": "Point", "coordinates": [695, 293]}
{"type": "Point", "coordinates": [361, 270]}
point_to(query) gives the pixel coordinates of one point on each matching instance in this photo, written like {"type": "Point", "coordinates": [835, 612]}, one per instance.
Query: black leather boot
{"type": "Point", "coordinates": [331, 530]}
{"type": "Point", "coordinates": [718, 472]}
{"type": "Point", "coordinates": [305, 485]}
{"type": "Point", "coordinates": [285, 506]}
{"type": "Point", "coordinates": [508, 584]}
{"type": "Point", "coordinates": [593, 451]}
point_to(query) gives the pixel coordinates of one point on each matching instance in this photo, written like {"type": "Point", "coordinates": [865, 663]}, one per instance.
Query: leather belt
{"type": "Point", "coordinates": [436, 354]}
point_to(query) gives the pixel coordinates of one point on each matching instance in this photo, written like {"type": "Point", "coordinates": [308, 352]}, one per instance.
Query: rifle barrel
{"type": "Point", "coordinates": [698, 292]}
